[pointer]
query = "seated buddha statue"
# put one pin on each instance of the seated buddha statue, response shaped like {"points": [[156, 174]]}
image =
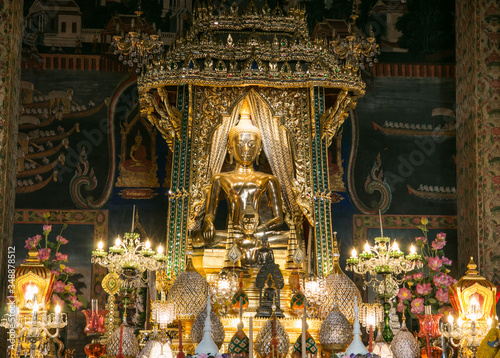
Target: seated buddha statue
{"points": [[243, 189]]}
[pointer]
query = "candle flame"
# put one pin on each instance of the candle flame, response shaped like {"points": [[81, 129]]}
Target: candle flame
{"points": [[100, 245], [354, 253], [413, 250]]}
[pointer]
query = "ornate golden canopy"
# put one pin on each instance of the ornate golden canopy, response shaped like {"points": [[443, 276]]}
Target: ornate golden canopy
{"points": [[299, 90]]}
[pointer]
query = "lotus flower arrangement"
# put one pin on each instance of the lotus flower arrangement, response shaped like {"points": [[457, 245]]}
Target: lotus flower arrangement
{"points": [[64, 291], [430, 286]]}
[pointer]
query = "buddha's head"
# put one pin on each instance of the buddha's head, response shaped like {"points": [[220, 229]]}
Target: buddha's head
{"points": [[245, 139]]}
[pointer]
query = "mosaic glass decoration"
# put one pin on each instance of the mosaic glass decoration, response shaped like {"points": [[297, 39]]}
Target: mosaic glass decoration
{"points": [[263, 340], [216, 326], [189, 293], [335, 333], [130, 346]]}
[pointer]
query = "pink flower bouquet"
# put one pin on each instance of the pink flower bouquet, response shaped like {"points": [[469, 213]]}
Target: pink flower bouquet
{"points": [[429, 287], [64, 291]]}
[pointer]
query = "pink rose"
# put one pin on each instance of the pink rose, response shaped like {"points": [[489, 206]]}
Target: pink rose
{"points": [[441, 236], [69, 270], [404, 294], [451, 280], [424, 289], [446, 261], [47, 228], [438, 244], [434, 263], [72, 289], [407, 277], [418, 276], [55, 272], [400, 307], [442, 296], [59, 286], [43, 254], [60, 257], [417, 305], [424, 240], [62, 240], [57, 300]]}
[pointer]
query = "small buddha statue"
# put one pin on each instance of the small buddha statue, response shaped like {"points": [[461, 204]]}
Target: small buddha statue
{"points": [[243, 188]]}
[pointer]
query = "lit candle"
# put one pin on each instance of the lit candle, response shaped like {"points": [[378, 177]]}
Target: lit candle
{"points": [[118, 241], [100, 245], [354, 254], [304, 329], [160, 250], [250, 337], [413, 251], [58, 313], [35, 313], [380, 219], [395, 246], [94, 304], [367, 247], [133, 219], [148, 245]]}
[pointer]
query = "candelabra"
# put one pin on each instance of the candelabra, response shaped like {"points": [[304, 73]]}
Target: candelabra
{"points": [[137, 48], [34, 329], [466, 335], [387, 260], [129, 257]]}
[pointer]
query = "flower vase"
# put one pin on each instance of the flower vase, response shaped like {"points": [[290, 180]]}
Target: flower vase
{"points": [[429, 328], [95, 349]]}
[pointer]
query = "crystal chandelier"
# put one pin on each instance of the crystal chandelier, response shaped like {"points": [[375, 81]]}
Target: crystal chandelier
{"points": [[34, 329], [354, 50], [313, 290], [137, 48], [370, 315], [224, 284], [129, 257], [163, 312]]}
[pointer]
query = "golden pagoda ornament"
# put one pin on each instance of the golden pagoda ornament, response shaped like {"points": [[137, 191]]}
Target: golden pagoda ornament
{"points": [[33, 284]]}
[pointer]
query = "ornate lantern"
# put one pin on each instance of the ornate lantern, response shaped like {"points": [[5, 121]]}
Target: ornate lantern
{"points": [[473, 296], [339, 289], [189, 293], [33, 283]]}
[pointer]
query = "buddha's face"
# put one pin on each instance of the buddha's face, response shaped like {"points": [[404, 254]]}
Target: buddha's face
{"points": [[245, 147]]}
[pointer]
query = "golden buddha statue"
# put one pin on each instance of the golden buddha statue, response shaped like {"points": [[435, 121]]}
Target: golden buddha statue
{"points": [[243, 188]]}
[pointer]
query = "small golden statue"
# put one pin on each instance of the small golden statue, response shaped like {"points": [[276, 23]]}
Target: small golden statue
{"points": [[243, 188]]}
